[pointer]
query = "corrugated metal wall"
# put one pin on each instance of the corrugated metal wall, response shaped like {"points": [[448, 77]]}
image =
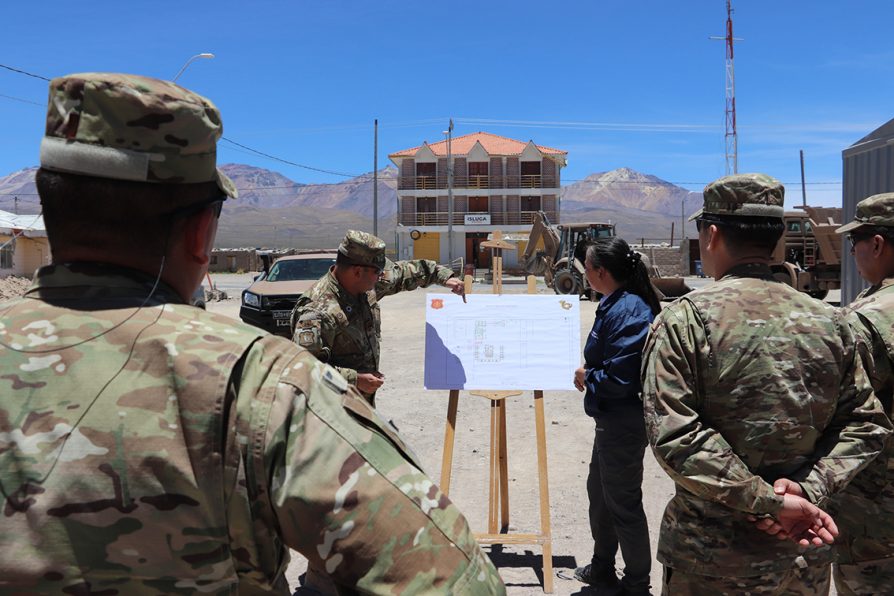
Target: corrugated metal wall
{"points": [[868, 170]]}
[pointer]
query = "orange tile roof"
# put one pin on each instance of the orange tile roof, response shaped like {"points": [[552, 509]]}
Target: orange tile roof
{"points": [[493, 144]]}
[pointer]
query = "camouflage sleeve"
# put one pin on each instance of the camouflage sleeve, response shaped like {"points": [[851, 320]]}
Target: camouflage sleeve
{"points": [[409, 275], [694, 455], [877, 358], [315, 332], [858, 431], [344, 491]]}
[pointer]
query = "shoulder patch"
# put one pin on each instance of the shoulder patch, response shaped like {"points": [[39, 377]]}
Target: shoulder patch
{"points": [[309, 315], [307, 332]]}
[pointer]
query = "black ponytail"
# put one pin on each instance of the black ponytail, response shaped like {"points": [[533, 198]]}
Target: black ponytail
{"points": [[626, 266]]}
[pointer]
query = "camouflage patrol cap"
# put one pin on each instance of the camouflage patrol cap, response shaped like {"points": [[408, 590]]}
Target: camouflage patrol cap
{"points": [[743, 195], [877, 210], [129, 127], [361, 248]]}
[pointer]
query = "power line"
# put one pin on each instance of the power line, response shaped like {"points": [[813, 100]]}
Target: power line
{"points": [[617, 126], [299, 185], [24, 72], [34, 103], [286, 161], [581, 125], [341, 127], [267, 155]]}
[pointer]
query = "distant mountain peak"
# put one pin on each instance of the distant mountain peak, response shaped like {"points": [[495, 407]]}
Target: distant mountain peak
{"points": [[627, 189]]}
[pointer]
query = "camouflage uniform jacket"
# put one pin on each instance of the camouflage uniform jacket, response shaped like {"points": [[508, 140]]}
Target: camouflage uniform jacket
{"points": [[344, 330], [149, 447], [746, 381], [865, 510]]}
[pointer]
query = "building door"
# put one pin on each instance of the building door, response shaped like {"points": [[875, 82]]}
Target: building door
{"points": [[428, 246], [474, 253]]}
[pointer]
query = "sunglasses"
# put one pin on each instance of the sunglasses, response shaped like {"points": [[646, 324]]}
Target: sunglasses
{"points": [[701, 222], [216, 204], [378, 270], [855, 238]]}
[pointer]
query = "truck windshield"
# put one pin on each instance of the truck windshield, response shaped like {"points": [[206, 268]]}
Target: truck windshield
{"points": [[298, 269]]}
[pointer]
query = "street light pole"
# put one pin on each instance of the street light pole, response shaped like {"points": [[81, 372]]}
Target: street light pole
{"points": [[190, 61], [376, 177], [450, 194]]}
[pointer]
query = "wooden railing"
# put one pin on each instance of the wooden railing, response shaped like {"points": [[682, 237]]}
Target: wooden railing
{"points": [[482, 181], [424, 182], [530, 181], [478, 181], [434, 218], [439, 218]]}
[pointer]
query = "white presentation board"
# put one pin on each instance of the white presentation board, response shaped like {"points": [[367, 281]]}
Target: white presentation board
{"points": [[501, 342]]}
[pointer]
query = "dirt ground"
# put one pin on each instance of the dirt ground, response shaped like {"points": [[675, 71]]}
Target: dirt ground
{"points": [[420, 415], [11, 287]]}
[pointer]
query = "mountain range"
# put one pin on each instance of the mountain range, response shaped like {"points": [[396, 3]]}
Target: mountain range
{"points": [[275, 211]]}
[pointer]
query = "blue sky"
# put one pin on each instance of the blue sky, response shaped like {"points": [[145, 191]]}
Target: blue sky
{"points": [[635, 84]]}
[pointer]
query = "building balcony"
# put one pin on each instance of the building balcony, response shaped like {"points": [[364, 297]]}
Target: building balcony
{"points": [[418, 182], [439, 218], [477, 182]]}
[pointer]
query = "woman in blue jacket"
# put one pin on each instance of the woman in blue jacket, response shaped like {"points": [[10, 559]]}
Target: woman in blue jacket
{"points": [[611, 379]]}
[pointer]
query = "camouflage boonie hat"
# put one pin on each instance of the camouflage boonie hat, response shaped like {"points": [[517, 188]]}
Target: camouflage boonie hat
{"points": [[361, 248], [128, 127], [743, 195], [877, 210]]}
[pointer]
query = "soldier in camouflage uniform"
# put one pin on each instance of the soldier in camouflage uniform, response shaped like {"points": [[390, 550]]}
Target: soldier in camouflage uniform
{"points": [[744, 381], [339, 320], [865, 510], [149, 447]]}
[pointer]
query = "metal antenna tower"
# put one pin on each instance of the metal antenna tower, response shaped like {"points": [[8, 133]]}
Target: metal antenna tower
{"points": [[731, 137]]}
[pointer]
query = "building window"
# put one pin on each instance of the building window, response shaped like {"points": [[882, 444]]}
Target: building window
{"points": [[478, 174], [478, 168], [6, 254], [213, 260], [478, 205], [427, 212], [530, 174], [425, 176], [426, 204], [530, 203]]}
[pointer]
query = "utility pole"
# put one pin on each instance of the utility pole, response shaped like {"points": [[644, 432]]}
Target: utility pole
{"points": [[450, 194], [683, 218], [376, 177], [731, 136], [15, 202], [803, 186]]}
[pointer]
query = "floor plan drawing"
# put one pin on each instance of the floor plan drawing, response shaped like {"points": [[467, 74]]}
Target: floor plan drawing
{"points": [[495, 342]]}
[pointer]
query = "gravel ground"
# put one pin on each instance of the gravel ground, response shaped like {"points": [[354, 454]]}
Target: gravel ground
{"points": [[11, 287], [420, 415]]}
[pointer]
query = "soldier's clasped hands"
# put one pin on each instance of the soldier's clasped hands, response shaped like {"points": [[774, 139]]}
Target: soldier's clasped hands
{"points": [[799, 520]]}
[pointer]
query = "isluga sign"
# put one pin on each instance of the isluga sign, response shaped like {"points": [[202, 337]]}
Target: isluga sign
{"points": [[477, 219]]}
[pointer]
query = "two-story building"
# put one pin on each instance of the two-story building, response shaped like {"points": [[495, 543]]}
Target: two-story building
{"points": [[498, 184]]}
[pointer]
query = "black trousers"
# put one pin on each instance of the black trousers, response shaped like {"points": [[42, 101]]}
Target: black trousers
{"points": [[614, 487]]}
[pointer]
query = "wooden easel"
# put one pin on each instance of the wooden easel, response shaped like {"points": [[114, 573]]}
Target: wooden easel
{"points": [[498, 493]]}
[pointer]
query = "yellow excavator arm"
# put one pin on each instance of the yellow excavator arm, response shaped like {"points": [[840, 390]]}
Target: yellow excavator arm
{"points": [[540, 262]]}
